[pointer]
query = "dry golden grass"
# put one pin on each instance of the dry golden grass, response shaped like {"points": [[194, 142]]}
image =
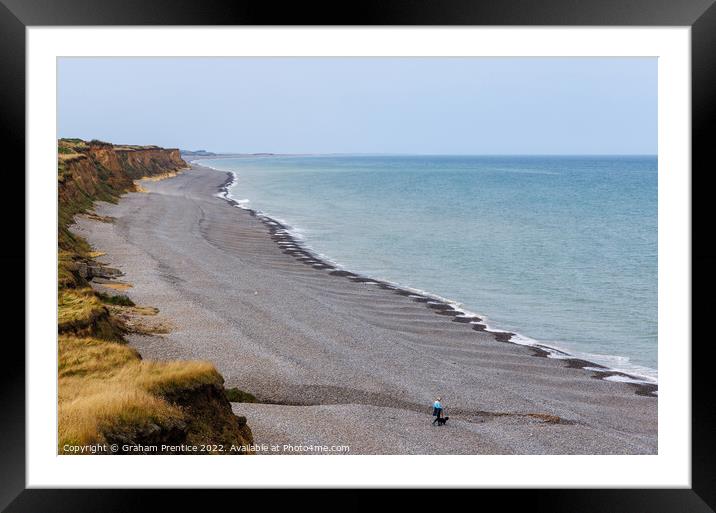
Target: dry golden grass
{"points": [[65, 262], [165, 378], [78, 308], [85, 356], [105, 387], [101, 407]]}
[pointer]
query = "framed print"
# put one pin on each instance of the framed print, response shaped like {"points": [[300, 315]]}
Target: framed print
{"points": [[442, 245]]}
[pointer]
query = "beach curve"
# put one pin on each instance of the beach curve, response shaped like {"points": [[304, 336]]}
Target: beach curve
{"points": [[338, 358]]}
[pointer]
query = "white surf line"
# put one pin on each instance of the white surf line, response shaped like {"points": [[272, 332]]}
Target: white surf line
{"points": [[628, 376]]}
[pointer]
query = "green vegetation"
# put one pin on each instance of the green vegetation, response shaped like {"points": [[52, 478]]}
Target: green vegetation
{"points": [[71, 145], [239, 396], [119, 300]]}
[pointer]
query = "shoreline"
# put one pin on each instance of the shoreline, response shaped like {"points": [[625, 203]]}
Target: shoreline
{"points": [[281, 234], [326, 355]]}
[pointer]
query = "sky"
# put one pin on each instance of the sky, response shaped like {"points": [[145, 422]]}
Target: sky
{"points": [[474, 106]]}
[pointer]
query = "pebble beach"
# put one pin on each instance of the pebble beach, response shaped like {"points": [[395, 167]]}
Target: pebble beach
{"points": [[342, 361]]}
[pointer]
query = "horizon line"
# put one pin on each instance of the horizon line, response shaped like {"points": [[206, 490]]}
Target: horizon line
{"points": [[305, 154]]}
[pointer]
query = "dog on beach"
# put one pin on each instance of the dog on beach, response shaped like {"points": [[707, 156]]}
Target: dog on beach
{"points": [[442, 420]]}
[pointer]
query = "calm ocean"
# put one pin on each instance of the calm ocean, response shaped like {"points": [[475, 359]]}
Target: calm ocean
{"points": [[562, 250]]}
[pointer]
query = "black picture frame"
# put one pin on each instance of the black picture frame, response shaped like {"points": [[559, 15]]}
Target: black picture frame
{"points": [[700, 15]]}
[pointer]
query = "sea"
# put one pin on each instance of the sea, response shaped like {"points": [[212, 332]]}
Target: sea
{"points": [[561, 250]]}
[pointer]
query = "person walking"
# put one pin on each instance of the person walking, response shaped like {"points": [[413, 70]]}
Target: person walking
{"points": [[437, 409]]}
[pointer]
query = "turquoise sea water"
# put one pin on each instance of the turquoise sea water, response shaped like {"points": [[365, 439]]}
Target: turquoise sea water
{"points": [[562, 250]]}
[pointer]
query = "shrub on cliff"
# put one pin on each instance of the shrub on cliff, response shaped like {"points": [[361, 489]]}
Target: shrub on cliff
{"points": [[119, 300], [239, 396]]}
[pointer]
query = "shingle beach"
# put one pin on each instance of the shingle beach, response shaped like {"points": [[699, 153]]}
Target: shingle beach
{"points": [[337, 359]]}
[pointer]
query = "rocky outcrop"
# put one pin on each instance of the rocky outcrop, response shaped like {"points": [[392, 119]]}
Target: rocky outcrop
{"points": [[89, 271]]}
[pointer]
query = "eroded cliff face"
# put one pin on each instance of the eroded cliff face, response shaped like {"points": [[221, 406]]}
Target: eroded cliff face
{"points": [[101, 171], [106, 392], [150, 161]]}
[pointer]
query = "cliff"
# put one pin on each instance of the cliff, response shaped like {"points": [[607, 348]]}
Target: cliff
{"points": [[91, 171], [107, 393]]}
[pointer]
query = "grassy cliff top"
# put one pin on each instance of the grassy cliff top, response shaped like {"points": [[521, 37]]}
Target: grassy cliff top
{"points": [[74, 145]]}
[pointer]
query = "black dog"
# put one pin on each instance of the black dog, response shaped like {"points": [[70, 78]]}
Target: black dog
{"points": [[442, 421]]}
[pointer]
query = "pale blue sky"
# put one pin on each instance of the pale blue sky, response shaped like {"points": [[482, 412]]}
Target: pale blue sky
{"points": [[364, 105]]}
